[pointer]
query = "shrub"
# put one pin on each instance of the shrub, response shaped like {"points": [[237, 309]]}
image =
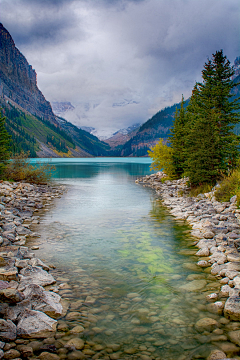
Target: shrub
{"points": [[19, 169], [161, 155], [229, 187]]}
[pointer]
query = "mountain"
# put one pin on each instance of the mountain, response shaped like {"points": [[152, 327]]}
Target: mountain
{"points": [[87, 128], [59, 108], [159, 125], [121, 136], [29, 116], [18, 80], [148, 134]]}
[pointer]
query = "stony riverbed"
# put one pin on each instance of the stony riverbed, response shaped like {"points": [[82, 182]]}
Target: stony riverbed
{"points": [[216, 225], [46, 315]]}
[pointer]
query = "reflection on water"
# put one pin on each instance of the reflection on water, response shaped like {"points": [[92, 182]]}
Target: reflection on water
{"points": [[129, 268]]}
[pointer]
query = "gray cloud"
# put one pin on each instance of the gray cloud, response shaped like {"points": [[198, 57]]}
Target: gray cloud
{"points": [[44, 21], [98, 53]]}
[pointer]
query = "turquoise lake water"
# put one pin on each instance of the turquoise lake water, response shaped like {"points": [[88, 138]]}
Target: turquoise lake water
{"points": [[126, 261]]}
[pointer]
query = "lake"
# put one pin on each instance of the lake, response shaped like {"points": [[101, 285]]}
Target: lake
{"points": [[126, 264]]}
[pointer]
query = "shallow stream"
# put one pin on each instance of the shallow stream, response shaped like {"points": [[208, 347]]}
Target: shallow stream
{"points": [[128, 267]]}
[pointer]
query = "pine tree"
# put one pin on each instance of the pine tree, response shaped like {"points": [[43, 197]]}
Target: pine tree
{"points": [[178, 141], [212, 145], [4, 144]]}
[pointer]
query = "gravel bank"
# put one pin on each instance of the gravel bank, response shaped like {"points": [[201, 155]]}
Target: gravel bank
{"points": [[27, 310]]}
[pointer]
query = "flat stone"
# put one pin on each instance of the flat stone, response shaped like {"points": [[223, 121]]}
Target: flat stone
{"points": [[235, 257], [20, 264], [234, 337], [114, 347], [38, 262], [88, 352], [233, 236], [203, 252], [77, 343], [229, 348], [217, 355], [4, 284], [212, 296], [203, 263], [77, 329], [207, 324], [73, 315], [217, 268], [42, 300], [216, 308], [48, 356], [76, 355], [36, 275], [8, 330], [132, 295], [22, 230], [208, 235], [231, 274], [232, 308], [206, 243], [12, 354], [35, 324], [218, 257], [115, 356], [236, 282], [11, 296], [140, 330], [26, 351], [9, 274], [194, 285], [225, 289], [130, 351]]}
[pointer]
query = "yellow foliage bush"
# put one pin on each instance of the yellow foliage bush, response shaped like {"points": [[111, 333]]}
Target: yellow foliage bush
{"points": [[161, 155], [19, 169]]}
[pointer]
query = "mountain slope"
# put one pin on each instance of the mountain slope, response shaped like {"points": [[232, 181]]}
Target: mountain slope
{"points": [[158, 127], [121, 136], [29, 116], [149, 133], [18, 80]]}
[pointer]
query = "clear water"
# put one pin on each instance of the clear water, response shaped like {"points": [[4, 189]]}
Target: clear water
{"points": [[126, 262]]}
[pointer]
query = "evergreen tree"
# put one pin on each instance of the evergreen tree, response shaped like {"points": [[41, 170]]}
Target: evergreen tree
{"points": [[4, 144], [211, 116], [178, 141]]}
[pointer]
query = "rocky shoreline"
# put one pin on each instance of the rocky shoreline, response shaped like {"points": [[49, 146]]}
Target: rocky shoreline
{"points": [[217, 228], [27, 310], [30, 303]]}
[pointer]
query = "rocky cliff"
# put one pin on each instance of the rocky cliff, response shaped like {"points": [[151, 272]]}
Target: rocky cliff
{"points": [[18, 80], [29, 116]]}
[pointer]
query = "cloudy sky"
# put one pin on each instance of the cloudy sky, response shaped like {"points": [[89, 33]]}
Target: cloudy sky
{"points": [[120, 61]]}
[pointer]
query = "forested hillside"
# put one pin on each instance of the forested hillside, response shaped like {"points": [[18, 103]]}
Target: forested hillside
{"points": [[149, 133], [159, 127], [43, 138]]}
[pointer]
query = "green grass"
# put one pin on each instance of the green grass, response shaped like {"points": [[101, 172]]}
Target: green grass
{"points": [[229, 187], [40, 131], [201, 189]]}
